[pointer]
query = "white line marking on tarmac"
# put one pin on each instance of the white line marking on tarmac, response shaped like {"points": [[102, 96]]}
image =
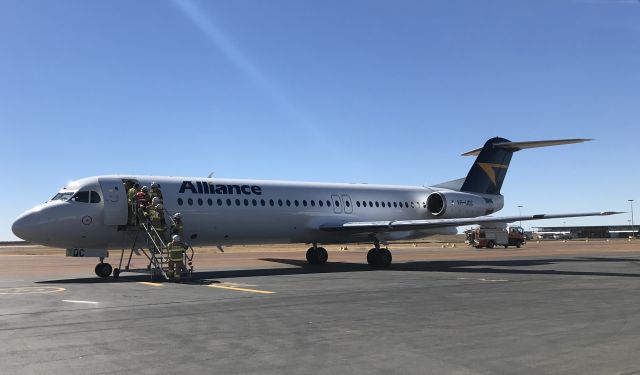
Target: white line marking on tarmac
{"points": [[87, 302], [485, 280]]}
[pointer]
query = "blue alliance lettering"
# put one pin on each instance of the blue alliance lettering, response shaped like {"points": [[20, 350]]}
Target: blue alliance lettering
{"points": [[201, 187]]}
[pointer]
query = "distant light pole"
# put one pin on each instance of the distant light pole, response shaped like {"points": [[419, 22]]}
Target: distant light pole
{"points": [[633, 233], [520, 214]]}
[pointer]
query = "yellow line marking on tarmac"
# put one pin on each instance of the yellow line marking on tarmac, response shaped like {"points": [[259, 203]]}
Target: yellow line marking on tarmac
{"points": [[31, 290], [150, 283], [230, 287]]}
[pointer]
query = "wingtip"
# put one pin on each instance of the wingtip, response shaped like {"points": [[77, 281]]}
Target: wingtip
{"points": [[607, 213]]}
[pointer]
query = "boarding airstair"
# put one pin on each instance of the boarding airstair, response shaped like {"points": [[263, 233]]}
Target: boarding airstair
{"points": [[153, 244]]}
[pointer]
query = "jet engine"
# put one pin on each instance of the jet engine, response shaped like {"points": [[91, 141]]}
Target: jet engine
{"points": [[454, 204]]}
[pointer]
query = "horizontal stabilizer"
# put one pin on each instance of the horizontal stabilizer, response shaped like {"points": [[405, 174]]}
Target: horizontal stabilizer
{"points": [[517, 146]]}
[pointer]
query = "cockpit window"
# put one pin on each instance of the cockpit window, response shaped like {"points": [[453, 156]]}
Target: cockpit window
{"points": [[81, 196], [62, 196], [95, 197]]}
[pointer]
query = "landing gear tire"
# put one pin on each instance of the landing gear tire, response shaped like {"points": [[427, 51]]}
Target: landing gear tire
{"points": [[116, 273], [490, 245], [518, 244], [103, 270], [317, 255], [380, 258]]}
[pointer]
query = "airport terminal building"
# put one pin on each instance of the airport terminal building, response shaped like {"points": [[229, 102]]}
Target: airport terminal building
{"points": [[593, 231]]}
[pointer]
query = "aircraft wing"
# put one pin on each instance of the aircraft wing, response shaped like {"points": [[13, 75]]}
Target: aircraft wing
{"points": [[403, 225]]}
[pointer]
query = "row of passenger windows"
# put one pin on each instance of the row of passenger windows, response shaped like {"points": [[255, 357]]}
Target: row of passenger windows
{"points": [[297, 203]]}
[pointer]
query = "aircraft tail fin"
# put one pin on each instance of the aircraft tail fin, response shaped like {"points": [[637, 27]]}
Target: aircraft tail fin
{"points": [[490, 168]]}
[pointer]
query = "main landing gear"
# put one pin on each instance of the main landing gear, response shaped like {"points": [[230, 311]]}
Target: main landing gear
{"points": [[317, 255], [103, 269], [377, 257]]}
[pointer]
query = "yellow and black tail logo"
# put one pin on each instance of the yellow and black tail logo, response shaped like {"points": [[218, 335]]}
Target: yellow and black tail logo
{"points": [[490, 170]]}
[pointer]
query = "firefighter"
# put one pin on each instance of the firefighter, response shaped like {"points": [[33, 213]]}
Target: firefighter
{"points": [[155, 213], [154, 191], [131, 196], [142, 202], [177, 228], [176, 257]]}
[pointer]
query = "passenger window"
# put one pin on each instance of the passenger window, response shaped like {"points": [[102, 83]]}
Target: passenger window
{"points": [[377, 204], [271, 202], [180, 202], [304, 202], [238, 202], [412, 206], [190, 201], [199, 201], [95, 197], [288, 203], [358, 203], [254, 202], [346, 203], [395, 204], [280, 202], [382, 204], [262, 202], [313, 203], [328, 203], [406, 204], [320, 203], [389, 204], [246, 202], [81, 196], [296, 203], [370, 204], [229, 202], [210, 202], [219, 201], [337, 203]]}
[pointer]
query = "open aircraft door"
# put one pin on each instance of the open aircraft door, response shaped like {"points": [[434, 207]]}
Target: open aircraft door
{"points": [[115, 201]]}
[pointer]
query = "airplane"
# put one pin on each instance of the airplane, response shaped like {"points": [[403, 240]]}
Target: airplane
{"points": [[90, 215]]}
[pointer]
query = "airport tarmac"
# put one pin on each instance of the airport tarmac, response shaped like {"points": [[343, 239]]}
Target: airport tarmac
{"points": [[547, 308]]}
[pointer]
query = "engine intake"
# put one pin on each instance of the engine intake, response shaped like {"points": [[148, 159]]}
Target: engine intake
{"points": [[453, 204]]}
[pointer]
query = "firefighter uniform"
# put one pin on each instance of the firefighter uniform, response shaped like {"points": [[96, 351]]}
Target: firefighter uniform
{"points": [[154, 213], [131, 196], [177, 228], [176, 257], [154, 191]]}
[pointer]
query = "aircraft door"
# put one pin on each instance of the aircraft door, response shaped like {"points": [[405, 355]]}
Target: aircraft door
{"points": [[347, 205], [337, 205], [115, 201]]}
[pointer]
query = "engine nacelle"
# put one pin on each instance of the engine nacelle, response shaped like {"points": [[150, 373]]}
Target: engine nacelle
{"points": [[453, 204]]}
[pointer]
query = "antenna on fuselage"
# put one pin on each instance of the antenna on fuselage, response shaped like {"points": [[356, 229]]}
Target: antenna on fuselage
{"points": [[210, 175]]}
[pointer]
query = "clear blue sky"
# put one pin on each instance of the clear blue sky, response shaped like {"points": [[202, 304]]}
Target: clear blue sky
{"points": [[345, 91]]}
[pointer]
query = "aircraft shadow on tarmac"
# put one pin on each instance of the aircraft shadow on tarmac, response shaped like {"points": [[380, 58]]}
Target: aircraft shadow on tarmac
{"points": [[458, 266]]}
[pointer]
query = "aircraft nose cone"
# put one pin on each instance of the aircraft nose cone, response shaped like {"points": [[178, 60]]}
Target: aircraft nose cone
{"points": [[23, 227]]}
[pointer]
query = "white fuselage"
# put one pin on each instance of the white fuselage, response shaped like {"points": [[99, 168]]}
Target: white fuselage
{"points": [[226, 212]]}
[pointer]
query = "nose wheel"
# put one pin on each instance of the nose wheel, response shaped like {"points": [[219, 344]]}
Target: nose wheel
{"points": [[103, 270]]}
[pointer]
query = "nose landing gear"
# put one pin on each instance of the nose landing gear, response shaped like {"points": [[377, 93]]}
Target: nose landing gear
{"points": [[103, 269]]}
